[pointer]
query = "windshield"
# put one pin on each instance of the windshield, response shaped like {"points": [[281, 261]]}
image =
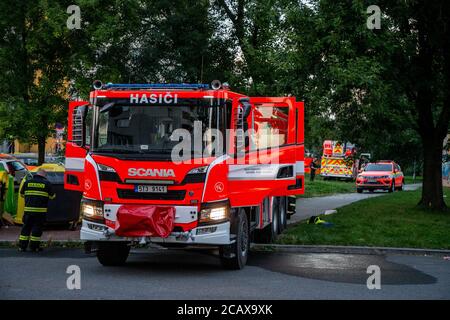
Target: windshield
{"points": [[147, 130], [30, 161], [378, 167], [16, 166]]}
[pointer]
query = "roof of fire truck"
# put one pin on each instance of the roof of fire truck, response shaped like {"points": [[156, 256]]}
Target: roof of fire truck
{"points": [[183, 90]]}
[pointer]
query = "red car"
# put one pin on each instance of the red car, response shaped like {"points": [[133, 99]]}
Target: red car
{"points": [[381, 175]]}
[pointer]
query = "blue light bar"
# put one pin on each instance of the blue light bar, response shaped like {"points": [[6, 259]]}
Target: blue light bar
{"points": [[185, 86]]}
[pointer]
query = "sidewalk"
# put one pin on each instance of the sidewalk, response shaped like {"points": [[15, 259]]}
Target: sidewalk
{"points": [[11, 233]]}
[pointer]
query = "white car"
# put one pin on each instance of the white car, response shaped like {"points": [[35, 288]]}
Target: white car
{"points": [[14, 167]]}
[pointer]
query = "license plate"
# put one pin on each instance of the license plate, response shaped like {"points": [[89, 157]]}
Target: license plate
{"points": [[150, 189], [372, 181]]}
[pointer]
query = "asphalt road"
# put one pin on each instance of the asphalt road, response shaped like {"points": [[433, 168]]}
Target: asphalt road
{"points": [[307, 207], [180, 274]]}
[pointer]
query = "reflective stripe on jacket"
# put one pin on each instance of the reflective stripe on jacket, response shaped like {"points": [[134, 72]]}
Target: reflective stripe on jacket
{"points": [[37, 191]]}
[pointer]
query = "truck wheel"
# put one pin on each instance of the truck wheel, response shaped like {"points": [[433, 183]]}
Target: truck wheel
{"points": [[275, 225], [282, 214], [270, 232], [401, 186], [234, 256], [359, 190], [113, 253]]}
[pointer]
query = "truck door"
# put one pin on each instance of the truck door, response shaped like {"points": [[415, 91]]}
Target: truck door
{"points": [[299, 187], [269, 165], [76, 146]]}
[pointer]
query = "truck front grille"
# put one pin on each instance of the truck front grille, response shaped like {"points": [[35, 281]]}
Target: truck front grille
{"points": [[170, 195]]}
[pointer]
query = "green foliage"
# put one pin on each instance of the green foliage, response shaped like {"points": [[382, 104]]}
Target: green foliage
{"points": [[33, 59], [358, 85]]}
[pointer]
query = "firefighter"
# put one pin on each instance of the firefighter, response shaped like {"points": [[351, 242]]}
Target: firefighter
{"points": [[313, 166], [37, 191]]}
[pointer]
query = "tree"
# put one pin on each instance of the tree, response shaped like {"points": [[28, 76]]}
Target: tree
{"points": [[255, 28], [33, 56], [158, 41], [381, 84], [422, 71]]}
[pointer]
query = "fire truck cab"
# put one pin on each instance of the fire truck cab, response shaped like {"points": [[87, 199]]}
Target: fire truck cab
{"points": [[183, 165]]}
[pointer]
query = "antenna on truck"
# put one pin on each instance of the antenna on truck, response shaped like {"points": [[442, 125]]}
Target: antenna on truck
{"points": [[161, 86], [215, 85]]}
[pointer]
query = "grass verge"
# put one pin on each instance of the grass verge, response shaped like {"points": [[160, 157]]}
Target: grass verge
{"points": [[392, 220], [410, 180], [320, 187]]}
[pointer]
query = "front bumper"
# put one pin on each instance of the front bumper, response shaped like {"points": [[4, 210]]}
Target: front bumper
{"points": [[335, 175], [373, 187], [380, 184], [217, 234]]}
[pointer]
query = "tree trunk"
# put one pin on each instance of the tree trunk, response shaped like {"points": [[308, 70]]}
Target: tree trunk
{"points": [[41, 149], [432, 191]]}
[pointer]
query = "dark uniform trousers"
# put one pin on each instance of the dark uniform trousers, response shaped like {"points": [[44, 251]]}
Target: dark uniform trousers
{"points": [[37, 191]]}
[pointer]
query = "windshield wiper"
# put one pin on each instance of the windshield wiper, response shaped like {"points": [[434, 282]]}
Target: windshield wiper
{"points": [[156, 151], [116, 150]]}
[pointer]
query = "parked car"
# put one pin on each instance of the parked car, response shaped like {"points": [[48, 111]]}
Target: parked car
{"points": [[55, 159], [14, 167], [29, 159], [381, 175]]}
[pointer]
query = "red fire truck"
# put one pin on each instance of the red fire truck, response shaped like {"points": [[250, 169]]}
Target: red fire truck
{"points": [[145, 176]]}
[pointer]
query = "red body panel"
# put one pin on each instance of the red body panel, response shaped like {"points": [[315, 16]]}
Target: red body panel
{"points": [[74, 167]]}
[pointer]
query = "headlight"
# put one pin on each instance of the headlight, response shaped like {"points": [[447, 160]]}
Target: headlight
{"points": [[102, 167], [198, 170], [92, 210], [214, 212]]}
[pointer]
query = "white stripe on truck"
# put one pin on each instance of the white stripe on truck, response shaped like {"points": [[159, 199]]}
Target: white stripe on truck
{"points": [[75, 164]]}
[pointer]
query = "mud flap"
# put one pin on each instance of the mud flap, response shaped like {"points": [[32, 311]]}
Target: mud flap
{"points": [[145, 221]]}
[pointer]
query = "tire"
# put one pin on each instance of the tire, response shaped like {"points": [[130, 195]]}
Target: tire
{"points": [[401, 186], [234, 256], [275, 225], [113, 253], [392, 188], [282, 214], [359, 190]]}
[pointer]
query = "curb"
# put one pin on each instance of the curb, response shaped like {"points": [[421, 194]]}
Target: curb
{"points": [[346, 249], [46, 244], [281, 248]]}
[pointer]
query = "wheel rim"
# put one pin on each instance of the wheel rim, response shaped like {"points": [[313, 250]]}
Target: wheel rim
{"points": [[244, 240]]}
